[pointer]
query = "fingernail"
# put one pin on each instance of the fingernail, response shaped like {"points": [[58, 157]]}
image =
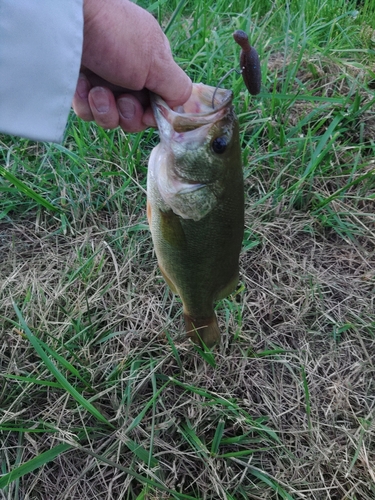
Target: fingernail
{"points": [[126, 107], [82, 87], [100, 99]]}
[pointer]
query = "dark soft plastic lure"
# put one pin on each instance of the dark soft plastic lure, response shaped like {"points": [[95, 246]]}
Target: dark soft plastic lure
{"points": [[250, 63]]}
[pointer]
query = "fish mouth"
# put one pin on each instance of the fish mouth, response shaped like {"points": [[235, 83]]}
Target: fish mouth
{"points": [[184, 131], [196, 113]]}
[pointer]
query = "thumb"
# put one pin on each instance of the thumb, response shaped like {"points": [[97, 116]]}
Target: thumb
{"points": [[166, 78], [125, 45]]}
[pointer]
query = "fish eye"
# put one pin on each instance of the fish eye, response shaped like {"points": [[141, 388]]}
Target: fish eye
{"points": [[219, 145]]}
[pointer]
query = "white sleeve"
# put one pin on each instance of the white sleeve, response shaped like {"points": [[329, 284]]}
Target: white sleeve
{"points": [[40, 56]]}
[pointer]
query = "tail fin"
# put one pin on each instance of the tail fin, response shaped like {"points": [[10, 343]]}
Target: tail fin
{"points": [[203, 330]]}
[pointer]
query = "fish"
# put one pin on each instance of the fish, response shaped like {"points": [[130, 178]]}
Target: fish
{"points": [[195, 204]]}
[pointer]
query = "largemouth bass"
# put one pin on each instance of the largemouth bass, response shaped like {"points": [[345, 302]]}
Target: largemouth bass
{"points": [[195, 204]]}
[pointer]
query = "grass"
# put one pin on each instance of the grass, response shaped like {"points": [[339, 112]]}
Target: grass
{"points": [[100, 394]]}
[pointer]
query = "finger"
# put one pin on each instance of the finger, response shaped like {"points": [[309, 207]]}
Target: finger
{"points": [[149, 118], [166, 78], [131, 113], [147, 61], [103, 107], [80, 103], [94, 80], [98, 81]]}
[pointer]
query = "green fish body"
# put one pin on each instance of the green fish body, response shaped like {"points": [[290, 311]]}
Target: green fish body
{"points": [[196, 204]]}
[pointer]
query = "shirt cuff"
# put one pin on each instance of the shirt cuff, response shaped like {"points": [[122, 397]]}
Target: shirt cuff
{"points": [[40, 56]]}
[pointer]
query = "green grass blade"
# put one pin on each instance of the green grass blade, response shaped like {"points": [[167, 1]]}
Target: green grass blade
{"points": [[230, 405], [217, 437], [323, 145], [14, 428], [32, 380], [155, 483], [270, 482], [143, 494], [136, 421], [23, 188], [206, 354], [244, 453], [33, 464], [140, 452], [336, 194], [174, 15], [307, 396], [191, 437], [174, 350], [56, 372], [65, 363]]}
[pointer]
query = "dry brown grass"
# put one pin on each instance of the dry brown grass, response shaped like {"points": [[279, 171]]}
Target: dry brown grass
{"points": [[307, 292], [297, 353]]}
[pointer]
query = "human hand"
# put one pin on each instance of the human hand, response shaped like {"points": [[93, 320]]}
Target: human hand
{"points": [[125, 55]]}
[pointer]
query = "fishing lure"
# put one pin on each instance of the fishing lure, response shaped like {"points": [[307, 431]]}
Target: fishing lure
{"points": [[249, 63]]}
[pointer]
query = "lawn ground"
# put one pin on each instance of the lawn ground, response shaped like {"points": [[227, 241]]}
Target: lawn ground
{"points": [[101, 396]]}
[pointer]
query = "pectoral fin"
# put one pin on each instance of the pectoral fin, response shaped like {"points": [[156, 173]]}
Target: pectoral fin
{"points": [[171, 229], [149, 211]]}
